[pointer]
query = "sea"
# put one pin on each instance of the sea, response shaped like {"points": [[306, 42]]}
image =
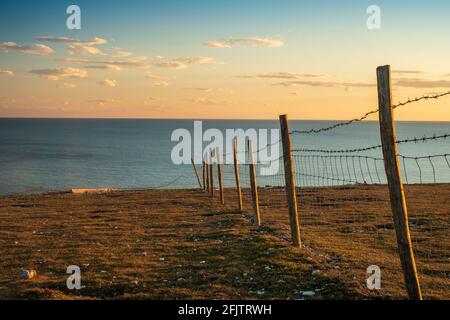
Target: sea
{"points": [[41, 155]]}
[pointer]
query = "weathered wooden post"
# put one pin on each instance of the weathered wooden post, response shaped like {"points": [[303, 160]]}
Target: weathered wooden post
{"points": [[211, 174], [236, 175], [291, 193], [394, 178], [196, 173], [254, 185], [219, 173], [207, 172], [204, 174]]}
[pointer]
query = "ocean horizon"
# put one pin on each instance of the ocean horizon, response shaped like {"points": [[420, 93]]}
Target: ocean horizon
{"points": [[55, 154]]}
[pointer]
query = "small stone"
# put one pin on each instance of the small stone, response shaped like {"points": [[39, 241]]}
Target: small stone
{"points": [[308, 293], [28, 274], [315, 272], [202, 262], [268, 268], [161, 259]]}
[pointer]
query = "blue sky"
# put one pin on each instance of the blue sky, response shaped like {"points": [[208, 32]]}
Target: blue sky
{"points": [[319, 37]]}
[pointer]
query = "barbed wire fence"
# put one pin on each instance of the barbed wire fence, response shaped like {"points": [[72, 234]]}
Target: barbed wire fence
{"points": [[345, 206]]}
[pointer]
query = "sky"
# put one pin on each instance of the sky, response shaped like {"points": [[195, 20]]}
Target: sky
{"points": [[221, 59]]}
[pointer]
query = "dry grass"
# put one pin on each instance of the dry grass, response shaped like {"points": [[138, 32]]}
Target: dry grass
{"points": [[351, 228], [197, 249]]}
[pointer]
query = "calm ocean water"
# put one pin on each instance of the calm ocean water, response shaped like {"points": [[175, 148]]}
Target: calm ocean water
{"points": [[39, 155]]}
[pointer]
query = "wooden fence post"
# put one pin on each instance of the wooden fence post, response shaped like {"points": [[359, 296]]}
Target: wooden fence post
{"points": [[394, 178], [291, 193], [204, 174], [219, 173], [254, 185], [236, 175], [211, 174], [207, 172], [196, 173]]}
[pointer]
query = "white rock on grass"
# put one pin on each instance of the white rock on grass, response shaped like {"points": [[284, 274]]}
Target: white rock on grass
{"points": [[308, 293], [28, 274]]}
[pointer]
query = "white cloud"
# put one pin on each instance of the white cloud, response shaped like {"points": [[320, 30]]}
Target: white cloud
{"points": [[36, 49], [158, 81], [74, 42], [119, 53], [170, 65], [195, 61], [108, 83], [57, 73], [422, 83], [86, 50], [111, 67], [217, 44], [326, 84], [135, 62], [182, 63], [249, 41], [6, 73], [407, 72], [283, 75]]}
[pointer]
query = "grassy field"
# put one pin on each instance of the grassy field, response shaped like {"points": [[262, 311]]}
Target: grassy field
{"points": [[181, 244]]}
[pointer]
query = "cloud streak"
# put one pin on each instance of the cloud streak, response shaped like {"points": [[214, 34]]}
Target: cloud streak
{"points": [[66, 85], [283, 75], [111, 64], [159, 81], [182, 63], [36, 49], [8, 73], [422, 83], [57, 73], [326, 84], [74, 42], [248, 41], [108, 83], [407, 72]]}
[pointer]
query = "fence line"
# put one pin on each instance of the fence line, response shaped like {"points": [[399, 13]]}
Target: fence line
{"points": [[352, 205]]}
